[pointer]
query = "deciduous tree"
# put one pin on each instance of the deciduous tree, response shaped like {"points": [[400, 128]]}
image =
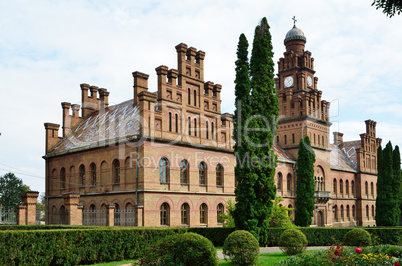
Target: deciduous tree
{"points": [[11, 188]]}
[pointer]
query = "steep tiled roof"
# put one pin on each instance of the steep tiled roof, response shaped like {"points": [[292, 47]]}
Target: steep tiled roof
{"points": [[281, 153], [342, 159], [114, 122]]}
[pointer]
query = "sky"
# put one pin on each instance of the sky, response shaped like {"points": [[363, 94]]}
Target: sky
{"points": [[49, 48]]}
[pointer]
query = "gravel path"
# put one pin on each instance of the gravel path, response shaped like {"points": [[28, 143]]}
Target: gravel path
{"points": [[274, 249]]}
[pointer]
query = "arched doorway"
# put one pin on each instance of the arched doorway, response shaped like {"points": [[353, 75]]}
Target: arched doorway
{"points": [[320, 218]]}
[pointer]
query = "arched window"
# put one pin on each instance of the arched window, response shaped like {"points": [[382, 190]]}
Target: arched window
{"points": [[342, 217], [335, 186], [63, 215], [347, 187], [289, 184], [170, 122], [206, 129], [372, 189], [185, 214], [63, 178], [318, 138], [195, 98], [219, 175], [352, 184], [202, 172], [82, 175], [293, 138], [347, 212], [372, 212], [353, 212], [220, 209], [189, 126], [195, 127], [212, 130], [189, 96], [72, 176], [164, 170], [116, 171], [341, 186], [203, 214], [92, 169], [176, 118], [285, 139], [290, 212], [184, 172], [323, 144], [366, 188], [314, 138], [117, 212], [367, 212], [336, 213], [165, 214], [279, 182], [277, 139]]}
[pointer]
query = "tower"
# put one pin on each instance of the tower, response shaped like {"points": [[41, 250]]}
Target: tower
{"points": [[302, 111]]}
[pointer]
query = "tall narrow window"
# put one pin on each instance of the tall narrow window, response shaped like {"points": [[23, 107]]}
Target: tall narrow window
{"points": [[347, 212], [202, 170], [336, 213], [341, 186], [279, 182], [116, 171], [206, 129], [342, 217], [189, 96], [189, 126], [195, 98], [293, 138], [195, 127], [170, 122], [164, 171], [367, 212], [353, 212], [366, 188], [63, 178], [165, 214], [203, 214], [219, 175], [185, 214], [184, 172], [335, 186], [82, 174], [176, 118], [212, 130], [219, 211], [372, 211], [352, 184], [92, 168], [286, 142], [372, 189], [323, 144], [347, 187], [289, 184]]}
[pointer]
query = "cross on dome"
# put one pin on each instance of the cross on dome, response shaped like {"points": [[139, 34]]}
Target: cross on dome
{"points": [[294, 21]]}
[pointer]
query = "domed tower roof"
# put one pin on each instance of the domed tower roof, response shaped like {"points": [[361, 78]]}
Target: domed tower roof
{"points": [[294, 34]]}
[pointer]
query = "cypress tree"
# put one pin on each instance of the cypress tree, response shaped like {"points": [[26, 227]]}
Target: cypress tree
{"points": [[304, 205], [386, 202], [397, 183], [245, 196]]}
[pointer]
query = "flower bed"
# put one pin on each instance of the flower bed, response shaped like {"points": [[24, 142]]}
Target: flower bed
{"points": [[340, 255]]}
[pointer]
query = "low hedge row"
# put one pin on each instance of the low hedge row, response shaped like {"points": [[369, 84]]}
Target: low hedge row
{"points": [[77, 246], [67, 245]]}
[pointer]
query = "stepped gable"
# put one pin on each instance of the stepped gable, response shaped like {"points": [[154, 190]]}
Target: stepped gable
{"points": [[112, 123]]}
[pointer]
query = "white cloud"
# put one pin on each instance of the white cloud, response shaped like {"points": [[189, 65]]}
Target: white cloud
{"points": [[48, 49]]}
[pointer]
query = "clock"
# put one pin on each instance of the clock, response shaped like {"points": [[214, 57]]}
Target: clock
{"points": [[309, 81], [288, 81]]}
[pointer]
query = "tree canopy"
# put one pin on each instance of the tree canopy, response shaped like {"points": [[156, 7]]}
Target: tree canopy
{"points": [[389, 7], [11, 188]]}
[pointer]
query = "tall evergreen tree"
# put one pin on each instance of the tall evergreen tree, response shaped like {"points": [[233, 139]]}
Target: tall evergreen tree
{"points": [[397, 184], [386, 201], [304, 205], [245, 195], [260, 131]]}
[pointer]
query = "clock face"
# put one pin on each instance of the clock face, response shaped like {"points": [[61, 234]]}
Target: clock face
{"points": [[288, 81], [309, 81]]}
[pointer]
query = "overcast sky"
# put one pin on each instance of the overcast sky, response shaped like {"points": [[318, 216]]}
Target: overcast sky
{"points": [[48, 48]]}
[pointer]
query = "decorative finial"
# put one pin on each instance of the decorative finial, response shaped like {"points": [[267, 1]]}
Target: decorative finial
{"points": [[294, 21]]}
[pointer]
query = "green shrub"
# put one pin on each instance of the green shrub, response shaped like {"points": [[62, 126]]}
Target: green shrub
{"points": [[358, 237], [293, 241], [242, 247], [216, 234], [394, 251], [182, 249]]}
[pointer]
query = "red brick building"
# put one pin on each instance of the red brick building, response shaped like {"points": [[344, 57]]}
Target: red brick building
{"points": [[168, 156]]}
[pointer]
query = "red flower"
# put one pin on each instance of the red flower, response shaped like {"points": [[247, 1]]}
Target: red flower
{"points": [[358, 250], [396, 263], [336, 252]]}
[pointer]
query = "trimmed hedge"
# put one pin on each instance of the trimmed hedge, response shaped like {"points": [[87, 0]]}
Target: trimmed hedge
{"points": [[77, 246], [216, 234]]}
